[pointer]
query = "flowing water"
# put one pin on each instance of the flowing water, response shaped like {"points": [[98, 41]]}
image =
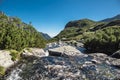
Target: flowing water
{"points": [[14, 75], [85, 62]]}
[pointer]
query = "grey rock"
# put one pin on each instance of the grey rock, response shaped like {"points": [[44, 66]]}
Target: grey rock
{"points": [[5, 59], [34, 52], [64, 51]]}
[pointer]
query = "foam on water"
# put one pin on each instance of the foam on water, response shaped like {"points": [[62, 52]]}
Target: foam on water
{"points": [[15, 75]]}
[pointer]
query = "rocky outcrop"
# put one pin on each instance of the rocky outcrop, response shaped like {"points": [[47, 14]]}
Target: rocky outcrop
{"points": [[64, 51], [5, 59], [34, 52]]}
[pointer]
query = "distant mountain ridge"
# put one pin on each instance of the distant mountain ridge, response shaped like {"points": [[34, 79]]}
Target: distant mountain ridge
{"points": [[117, 17], [45, 36]]}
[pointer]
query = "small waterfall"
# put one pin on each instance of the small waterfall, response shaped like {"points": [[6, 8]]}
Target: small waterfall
{"points": [[15, 75], [46, 53]]}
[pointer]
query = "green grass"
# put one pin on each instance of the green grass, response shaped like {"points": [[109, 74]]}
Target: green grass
{"points": [[2, 70], [15, 55], [28, 49]]}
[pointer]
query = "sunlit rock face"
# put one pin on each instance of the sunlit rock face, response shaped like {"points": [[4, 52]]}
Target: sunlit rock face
{"points": [[91, 67], [64, 50], [34, 52], [5, 59]]}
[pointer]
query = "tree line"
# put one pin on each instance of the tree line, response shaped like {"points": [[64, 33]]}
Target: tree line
{"points": [[14, 34], [106, 40]]}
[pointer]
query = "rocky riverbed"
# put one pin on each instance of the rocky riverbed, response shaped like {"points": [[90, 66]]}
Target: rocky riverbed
{"points": [[67, 68], [65, 63]]}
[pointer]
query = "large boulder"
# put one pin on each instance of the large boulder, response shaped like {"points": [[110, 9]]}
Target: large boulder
{"points": [[5, 59], [37, 52], [64, 51]]}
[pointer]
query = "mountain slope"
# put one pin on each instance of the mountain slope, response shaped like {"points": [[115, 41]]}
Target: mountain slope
{"points": [[105, 25], [101, 37], [80, 23], [77, 27], [15, 34], [111, 19]]}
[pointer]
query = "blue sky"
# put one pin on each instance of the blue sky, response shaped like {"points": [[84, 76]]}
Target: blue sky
{"points": [[50, 16]]}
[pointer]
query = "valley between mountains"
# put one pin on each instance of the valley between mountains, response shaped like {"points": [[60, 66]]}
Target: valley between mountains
{"points": [[83, 50]]}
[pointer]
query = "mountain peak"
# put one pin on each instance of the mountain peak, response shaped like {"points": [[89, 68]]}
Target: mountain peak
{"points": [[79, 23]]}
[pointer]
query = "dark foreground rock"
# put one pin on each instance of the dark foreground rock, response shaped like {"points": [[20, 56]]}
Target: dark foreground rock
{"points": [[116, 54], [91, 67]]}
